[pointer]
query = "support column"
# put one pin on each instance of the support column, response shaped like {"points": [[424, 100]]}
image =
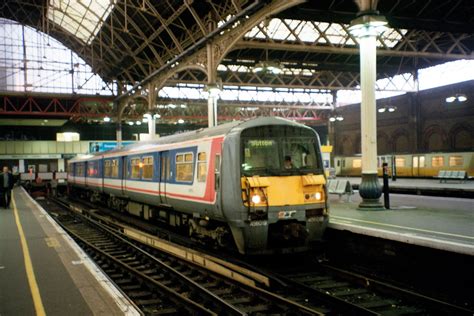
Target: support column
{"points": [[151, 111], [370, 189], [152, 127], [212, 109], [118, 131]]}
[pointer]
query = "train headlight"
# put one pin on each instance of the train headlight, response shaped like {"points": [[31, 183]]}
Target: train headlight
{"points": [[318, 196], [256, 199]]}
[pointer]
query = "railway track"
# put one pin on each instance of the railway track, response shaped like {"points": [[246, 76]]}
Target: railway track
{"points": [[159, 283], [320, 289]]}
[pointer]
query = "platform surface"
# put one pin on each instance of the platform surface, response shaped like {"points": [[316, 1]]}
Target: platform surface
{"points": [[42, 271], [413, 183], [437, 222]]}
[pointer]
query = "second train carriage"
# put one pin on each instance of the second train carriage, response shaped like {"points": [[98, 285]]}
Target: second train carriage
{"points": [[411, 165], [259, 182]]}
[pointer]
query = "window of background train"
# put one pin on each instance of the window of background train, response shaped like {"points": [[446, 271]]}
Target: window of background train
{"points": [[201, 167], [437, 161], [422, 162], [147, 168], [356, 163], [399, 162], [184, 167], [455, 161]]}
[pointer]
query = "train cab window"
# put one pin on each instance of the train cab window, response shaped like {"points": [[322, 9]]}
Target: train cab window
{"points": [[147, 168], [437, 161], [184, 167], [399, 162], [455, 161], [356, 163], [343, 163], [202, 167], [135, 168], [338, 163]]}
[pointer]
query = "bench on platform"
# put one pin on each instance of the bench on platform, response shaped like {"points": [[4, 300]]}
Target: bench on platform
{"points": [[340, 187], [445, 175]]}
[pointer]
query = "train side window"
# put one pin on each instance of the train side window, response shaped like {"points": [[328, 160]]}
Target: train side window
{"points": [[338, 163], [201, 167], [184, 167], [135, 166], [399, 162], [437, 161], [217, 171], [114, 168], [147, 168], [107, 168], [343, 163], [455, 161], [415, 162]]}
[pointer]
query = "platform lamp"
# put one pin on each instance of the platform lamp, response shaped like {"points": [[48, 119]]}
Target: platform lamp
{"points": [[366, 27]]}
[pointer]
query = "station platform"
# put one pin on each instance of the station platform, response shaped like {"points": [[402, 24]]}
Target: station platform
{"points": [[42, 270], [438, 222], [424, 186]]}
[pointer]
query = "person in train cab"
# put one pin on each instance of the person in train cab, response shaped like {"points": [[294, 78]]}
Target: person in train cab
{"points": [[6, 184], [287, 163]]}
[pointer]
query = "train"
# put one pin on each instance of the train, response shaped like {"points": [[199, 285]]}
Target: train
{"points": [[421, 165], [257, 184]]}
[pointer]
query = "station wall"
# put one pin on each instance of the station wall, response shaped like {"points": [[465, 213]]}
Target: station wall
{"points": [[422, 122]]}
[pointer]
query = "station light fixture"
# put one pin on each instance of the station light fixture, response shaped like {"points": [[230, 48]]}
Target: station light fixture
{"points": [[138, 122], [180, 121], [130, 123], [106, 119], [368, 24], [459, 97], [336, 117], [384, 109], [271, 67]]}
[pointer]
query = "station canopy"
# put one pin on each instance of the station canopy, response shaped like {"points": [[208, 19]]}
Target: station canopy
{"points": [[126, 40]]}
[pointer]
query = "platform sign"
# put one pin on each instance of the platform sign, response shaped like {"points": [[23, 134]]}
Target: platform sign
{"points": [[95, 147]]}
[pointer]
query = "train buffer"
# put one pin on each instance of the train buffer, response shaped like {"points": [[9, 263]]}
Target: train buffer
{"points": [[340, 187], [445, 175]]}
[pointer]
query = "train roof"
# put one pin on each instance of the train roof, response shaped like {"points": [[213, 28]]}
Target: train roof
{"points": [[193, 135]]}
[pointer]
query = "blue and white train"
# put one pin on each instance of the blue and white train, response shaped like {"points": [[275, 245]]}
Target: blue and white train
{"points": [[259, 184]]}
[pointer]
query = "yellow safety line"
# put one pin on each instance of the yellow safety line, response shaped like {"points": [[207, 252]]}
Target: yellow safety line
{"points": [[402, 227], [28, 265]]}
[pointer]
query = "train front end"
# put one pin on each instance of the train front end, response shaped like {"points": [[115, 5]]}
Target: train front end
{"points": [[282, 206]]}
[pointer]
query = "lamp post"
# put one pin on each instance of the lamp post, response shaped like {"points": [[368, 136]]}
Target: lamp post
{"points": [[366, 27]]}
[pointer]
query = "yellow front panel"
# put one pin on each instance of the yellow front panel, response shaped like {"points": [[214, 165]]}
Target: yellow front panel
{"points": [[289, 190]]}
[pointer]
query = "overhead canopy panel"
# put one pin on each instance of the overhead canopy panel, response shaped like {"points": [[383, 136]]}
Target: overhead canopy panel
{"points": [[81, 18]]}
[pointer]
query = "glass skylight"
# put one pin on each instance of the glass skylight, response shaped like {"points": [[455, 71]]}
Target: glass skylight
{"points": [[82, 18], [288, 30]]}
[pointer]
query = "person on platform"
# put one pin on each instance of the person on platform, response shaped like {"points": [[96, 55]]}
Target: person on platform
{"points": [[6, 186]]}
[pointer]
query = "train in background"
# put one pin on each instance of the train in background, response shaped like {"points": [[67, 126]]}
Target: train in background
{"points": [[426, 165], [258, 183]]}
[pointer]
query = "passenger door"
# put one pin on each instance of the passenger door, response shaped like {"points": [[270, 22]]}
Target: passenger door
{"points": [[164, 175], [418, 164]]}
